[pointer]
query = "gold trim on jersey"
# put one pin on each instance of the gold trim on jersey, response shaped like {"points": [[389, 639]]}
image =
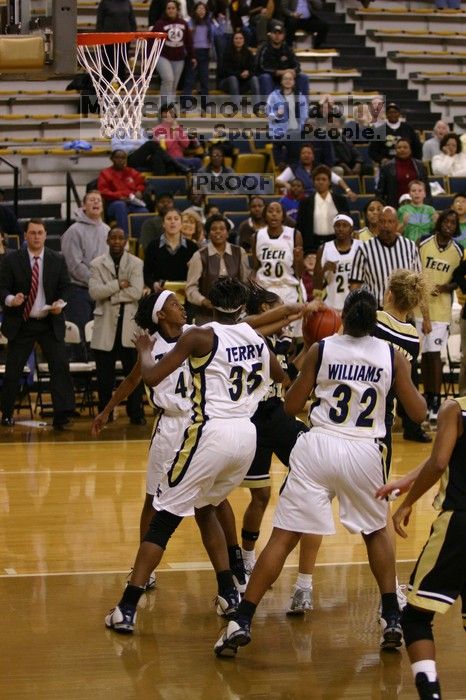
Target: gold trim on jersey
{"points": [[252, 483], [193, 432], [383, 449], [429, 600], [156, 424]]}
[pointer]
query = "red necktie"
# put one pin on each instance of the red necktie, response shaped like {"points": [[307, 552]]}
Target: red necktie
{"points": [[33, 291]]}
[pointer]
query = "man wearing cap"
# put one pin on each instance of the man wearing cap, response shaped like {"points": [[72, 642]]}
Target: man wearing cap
{"points": [[275, 58], [333, 264], [386, 136]]}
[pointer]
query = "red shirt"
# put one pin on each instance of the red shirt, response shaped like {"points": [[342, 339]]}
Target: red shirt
{"points": [[116, 184], [175, 137], [405, 172]]}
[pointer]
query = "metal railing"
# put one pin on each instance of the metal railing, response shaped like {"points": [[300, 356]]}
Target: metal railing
{"points": [[15, 170], [71, 190]]}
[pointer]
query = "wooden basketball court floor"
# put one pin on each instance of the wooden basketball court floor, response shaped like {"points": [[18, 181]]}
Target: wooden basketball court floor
{"points": [[69, 509]]}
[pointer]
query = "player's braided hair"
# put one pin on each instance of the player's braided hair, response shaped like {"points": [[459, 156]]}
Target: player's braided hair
{"points": [[359, 313], [229, 294], [257, 296], [143, 316]]}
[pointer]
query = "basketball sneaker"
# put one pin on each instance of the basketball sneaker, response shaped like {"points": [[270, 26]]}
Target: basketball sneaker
{"points": [[300, 601], [227, 604], [151, 581], [240, 578], [401, 597], [122, 619], [428, 690], [392, 634], [236, 634]]}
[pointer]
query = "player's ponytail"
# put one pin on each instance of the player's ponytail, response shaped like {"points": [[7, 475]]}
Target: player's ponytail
{"points": [[359, 313]]}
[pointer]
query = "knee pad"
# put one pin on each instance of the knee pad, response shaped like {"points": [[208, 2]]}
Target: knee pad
{"points": [[416, 624], [161, 528], [249, 535]]}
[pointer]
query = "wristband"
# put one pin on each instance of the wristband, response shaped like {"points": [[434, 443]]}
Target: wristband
{"points": [[292, 371]]}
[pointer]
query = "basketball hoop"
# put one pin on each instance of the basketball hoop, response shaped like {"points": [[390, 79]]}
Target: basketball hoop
{"points": [[121, 101]]}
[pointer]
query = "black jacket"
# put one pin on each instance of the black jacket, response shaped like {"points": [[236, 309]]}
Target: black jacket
{"points": [[305, 218], [385, 138], [15, 277], [269, 59], [387, 186]]}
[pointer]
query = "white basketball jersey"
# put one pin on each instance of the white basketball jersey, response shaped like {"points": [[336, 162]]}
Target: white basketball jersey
{"points": [[172, 394], [275, 256], [230, 382], [337, 283], [353, 379]]}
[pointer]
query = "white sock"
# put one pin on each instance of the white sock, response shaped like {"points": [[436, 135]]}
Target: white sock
{"points": [[249, 556], [426, 666], [304, 581]]}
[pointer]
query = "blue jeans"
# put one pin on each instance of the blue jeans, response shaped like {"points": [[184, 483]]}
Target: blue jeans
{"points": [[201, 72], [233, 86], [119, 211]]}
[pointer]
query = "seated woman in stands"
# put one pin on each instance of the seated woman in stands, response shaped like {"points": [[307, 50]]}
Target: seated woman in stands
{"points": [[237, 77], [452, 160]]}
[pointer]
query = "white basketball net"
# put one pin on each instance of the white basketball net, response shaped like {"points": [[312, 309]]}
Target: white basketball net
{"points": [[121, 102]]}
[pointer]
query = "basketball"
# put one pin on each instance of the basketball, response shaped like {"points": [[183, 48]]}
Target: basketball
{"points": [[320, 324]]}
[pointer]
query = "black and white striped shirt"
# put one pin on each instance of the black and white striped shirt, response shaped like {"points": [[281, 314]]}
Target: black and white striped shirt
{"points": [[374, 262]]}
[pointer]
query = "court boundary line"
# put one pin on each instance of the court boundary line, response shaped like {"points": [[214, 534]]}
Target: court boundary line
{"points": [[178, 569]]}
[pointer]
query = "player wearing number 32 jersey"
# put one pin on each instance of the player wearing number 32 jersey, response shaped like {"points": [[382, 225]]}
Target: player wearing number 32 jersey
{"points": [[349, 377]]}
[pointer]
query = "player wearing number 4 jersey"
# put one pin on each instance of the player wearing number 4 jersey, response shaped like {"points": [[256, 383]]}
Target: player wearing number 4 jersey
{"points": [[350, 377], [230, 370]]}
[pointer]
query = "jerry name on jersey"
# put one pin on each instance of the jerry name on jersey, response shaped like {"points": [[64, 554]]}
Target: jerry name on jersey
{"points": [[237, 353], [355, 373]]}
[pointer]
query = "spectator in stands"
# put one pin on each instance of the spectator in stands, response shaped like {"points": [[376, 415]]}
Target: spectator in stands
{"points": [[300, 14], [396, 175], [287, 113], [202, 35], [319, 153], [237, 76], [290, 202], [167, 258], [386, 136], [31, 279], [348, 160], [192, 228], [448, 4], [274, 58], [146, 154], [253, 223], [216, 166], [197, 205], [116, 285], [459, 205], [317, 212], [371, 214], [175, 139], [178, 48], [3, 244], [114, 16], [451, 161], [83, 241], [218, 259], [212, 210], [152, 227], [431, 147], [416, 219], [259, 15], [122, 188], [440, 256]]}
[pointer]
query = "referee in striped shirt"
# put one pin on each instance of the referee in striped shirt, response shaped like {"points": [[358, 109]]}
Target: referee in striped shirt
{"points": [[378, 257], [373, 264]]}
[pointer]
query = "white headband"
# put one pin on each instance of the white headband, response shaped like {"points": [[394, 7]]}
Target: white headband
{"points": [[227, 311], [343, 217], [161, 299]]}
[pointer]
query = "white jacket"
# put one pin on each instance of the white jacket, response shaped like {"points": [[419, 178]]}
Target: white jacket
{"points": [[453, 166]]}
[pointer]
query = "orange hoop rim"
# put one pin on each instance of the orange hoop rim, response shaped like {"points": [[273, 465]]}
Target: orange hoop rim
{"points": [[99, 38]]}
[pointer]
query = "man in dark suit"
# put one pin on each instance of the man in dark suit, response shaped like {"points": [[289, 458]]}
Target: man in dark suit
{"points": [[317, 212], [33, 284]]}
